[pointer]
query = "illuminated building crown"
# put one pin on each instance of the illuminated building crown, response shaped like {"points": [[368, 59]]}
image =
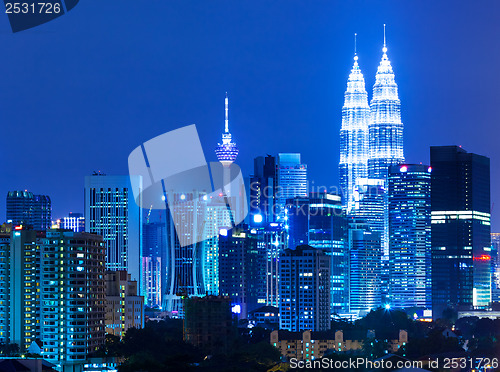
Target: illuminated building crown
{"points": [[227, 151]]}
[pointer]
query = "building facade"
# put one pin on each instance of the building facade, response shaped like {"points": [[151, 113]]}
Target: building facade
{"points": [[74, 221], [319, 221], [24, 283], [291, 181], [26, 208], [410, 235], [208, 323], [385, 127], [154, 251], [304, 289], [242, 269], [263, 191], [460, 217], [365, 271], [72, 267], [124, 307], [111, 211], [354, 135]]}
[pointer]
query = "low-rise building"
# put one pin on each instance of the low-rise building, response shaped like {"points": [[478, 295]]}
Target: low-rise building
{"points": [[310, 345], [124, 308]]}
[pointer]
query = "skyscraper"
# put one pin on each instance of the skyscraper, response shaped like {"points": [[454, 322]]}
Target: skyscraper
{"points": [[154, 251], [291, 180], [263, 191], [364, 268], [111, 211], [354, 134], [217, 215], [242, 269], [461, 241], [25, 208], [184, 249], [72, 294], [304, 289], [23, 283], [385, 127], [319, 221], [410, 235]]}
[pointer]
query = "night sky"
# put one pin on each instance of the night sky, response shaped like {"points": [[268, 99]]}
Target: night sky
{"points": [[78, 94]]}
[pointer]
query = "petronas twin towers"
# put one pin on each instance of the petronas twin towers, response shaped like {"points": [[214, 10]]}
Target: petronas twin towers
{"points": [[371, 136]]}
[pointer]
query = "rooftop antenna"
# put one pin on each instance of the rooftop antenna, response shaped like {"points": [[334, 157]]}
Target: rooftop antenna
{"points": [[227, 112], [355, 50], [384, 35], [384, 49]]}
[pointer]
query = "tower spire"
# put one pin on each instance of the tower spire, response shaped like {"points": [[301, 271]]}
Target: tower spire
{"points": [[384, 49], [355, 34], [384, 35], [227, 150], [226, 122]]}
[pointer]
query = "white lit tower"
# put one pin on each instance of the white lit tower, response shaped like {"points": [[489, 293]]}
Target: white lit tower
{"points": [[354, 134], [227, 151], [385, 127]]}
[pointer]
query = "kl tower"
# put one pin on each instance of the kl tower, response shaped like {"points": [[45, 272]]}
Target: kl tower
{"points": [[226, 152]]}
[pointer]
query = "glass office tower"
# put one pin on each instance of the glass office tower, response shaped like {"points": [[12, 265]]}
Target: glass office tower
{"points": [[25, 208], [364, 268], [461, 241], [319, 221], [410, 235], [111, 211], [291, 180]]}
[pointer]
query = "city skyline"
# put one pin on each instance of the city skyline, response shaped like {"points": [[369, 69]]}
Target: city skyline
{"points": [[278, 92]]}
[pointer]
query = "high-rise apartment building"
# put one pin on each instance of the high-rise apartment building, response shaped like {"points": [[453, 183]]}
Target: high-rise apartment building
{"points": [[23, 283], [111, 211], [72, 291], [410, 235], [461, 241], [291, 180], [304, 289], [242, 269], [354, 135], [25, 208], [124, 306], [319, 221], [4, 285], [52, 290], [364, 268]]}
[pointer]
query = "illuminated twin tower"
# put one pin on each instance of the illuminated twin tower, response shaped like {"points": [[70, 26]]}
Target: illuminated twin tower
{"points": [[371, 136]]}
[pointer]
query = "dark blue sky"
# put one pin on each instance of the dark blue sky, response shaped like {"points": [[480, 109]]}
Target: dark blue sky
{"points": [[81, 92]]}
